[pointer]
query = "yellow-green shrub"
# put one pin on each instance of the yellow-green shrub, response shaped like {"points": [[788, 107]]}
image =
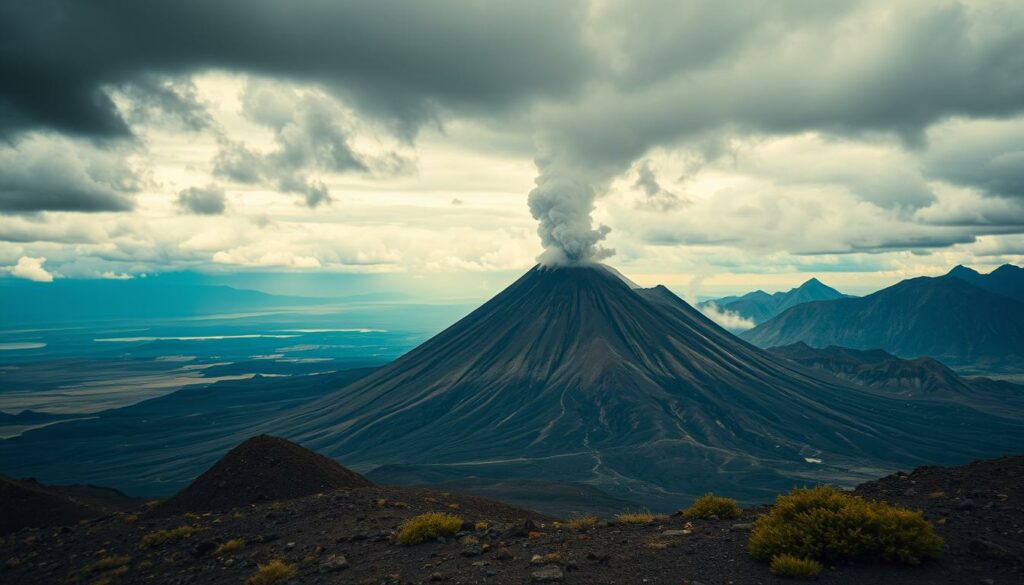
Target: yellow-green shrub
{"points": [[276, 571], [162, 536], [638, 517], [710, 505], [426, 527], [582, 522], [794, 567], [826, 524], [229, 546]]}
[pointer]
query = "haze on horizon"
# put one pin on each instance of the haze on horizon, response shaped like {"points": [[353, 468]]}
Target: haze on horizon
{"points": [[714, 146]]}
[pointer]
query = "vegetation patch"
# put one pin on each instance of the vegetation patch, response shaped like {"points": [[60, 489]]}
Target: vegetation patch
{"points": [[427, 527], [826, 524], [229, 546], [792, 567], [709, 506], [583, 522], [276, 571], [164, 536], [107, 566], [638, 517]]}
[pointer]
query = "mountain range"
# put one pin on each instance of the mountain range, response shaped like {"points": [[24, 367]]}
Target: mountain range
{"points": [[921, 378], [759, 306], [572, 374], [1007, 280], [959, 318]]}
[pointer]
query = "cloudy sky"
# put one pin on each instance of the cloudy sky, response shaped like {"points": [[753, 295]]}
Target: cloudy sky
{"points": [[714, 146]]}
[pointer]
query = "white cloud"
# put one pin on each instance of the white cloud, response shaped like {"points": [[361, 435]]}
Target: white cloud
{"points": [[728, 319], [31, 269]]}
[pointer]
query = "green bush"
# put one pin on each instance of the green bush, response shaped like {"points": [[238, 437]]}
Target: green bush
{"points": [[826, 524], [710, 505], [794, 567], [427, 527]]}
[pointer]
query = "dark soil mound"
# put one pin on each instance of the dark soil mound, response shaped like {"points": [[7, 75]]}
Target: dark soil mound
{"points": [[262, 469], [28, 503], [976, 507]]}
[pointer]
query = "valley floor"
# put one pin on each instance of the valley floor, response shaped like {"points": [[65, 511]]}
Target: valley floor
{"points": [[345, 537]]}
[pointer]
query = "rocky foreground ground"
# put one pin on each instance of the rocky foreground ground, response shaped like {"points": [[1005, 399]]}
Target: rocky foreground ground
{"points": [[345, 536]]}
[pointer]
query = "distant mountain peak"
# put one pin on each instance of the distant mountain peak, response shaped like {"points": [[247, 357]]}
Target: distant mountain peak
{"points": [[1007, 269], [961, 271]]}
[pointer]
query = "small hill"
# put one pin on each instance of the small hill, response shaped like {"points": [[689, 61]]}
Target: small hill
{"points": [[759, 306], [946, 318], [27, 503], [262, 469]]}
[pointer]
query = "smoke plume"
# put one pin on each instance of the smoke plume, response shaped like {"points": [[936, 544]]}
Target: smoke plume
{"points": [[562, 202]]}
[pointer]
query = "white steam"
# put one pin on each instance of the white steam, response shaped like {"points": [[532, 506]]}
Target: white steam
{"points": [[562, 202], [730, 320]]}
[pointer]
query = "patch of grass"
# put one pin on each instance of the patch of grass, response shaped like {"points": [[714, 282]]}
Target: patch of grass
{"points": [[13, 563], [553, 557], [107, 567], [229, 546], [792, 567], [826, 524], [108, 563], [710, 506], [661, 544], [937, 495], [638, 517], [276, 571], [582, 523], [164, 536], [481, 525], [427, 527]]}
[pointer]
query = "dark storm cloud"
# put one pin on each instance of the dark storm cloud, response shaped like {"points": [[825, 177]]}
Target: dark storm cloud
{"points": [[848, 70], [985, 155], [153, 98], [202, 200], [311, 133], [44, 173], [398, 60]]}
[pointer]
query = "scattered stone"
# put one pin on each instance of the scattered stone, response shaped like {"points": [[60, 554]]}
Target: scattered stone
{"points": [[743, 527], [675, 533], [520, 529], [202, 548], [984, 549], [435, 577], [504, 554], [334, 564], [471, 551], [548, 574], [600, 557], [965, 505], [289, 546]]}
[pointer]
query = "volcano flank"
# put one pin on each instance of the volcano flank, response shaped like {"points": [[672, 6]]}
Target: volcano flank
{"points": [[573, 374]]}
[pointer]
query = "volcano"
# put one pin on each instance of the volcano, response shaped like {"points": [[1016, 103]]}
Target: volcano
{"points": [[575, 374]]}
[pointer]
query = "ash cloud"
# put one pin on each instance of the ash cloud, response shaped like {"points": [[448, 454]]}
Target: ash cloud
{"points": [[562, 202]]}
